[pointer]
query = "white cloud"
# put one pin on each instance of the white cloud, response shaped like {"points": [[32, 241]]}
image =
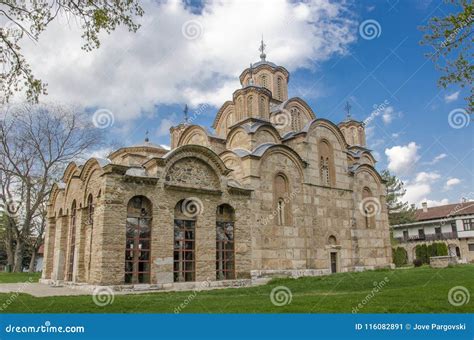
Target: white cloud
{"points": [[415, 192], [401, 157], [418, 189], [423, 177], [435, 203], [130, 73], [165, 125], [387, 115], [437, 159], [451, 97], [451, 182]]}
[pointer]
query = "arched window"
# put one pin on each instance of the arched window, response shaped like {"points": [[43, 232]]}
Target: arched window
{"points": [[279, 88], [261, 107], [184, 268], [72, 241], [295, 119], [90, 220], [249, 106], [225, 251], [332, 241], [324, 170], [326, 163], [369, 209], [229, 120], [264, 81], [138, 240], [281, 199], [90, 210], [354, 136], [240, 109]]}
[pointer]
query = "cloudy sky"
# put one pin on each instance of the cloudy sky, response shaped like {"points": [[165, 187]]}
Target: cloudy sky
{"points": [[364, 52]]}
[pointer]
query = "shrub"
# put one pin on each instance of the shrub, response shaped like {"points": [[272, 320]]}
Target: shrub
{"points": [[400, 256], [417, 262], [441, 249], [421, 252], [431, 250]]}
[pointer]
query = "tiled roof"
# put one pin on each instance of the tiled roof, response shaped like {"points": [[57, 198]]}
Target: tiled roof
{"points": [[448, 210]]}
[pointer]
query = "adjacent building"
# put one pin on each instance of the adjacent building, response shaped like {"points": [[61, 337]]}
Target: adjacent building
{"points": [[452, 224]]}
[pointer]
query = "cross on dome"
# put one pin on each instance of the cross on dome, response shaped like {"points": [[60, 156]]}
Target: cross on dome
{"points": [[262, 50]]}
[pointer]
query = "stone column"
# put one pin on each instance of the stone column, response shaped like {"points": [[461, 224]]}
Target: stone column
{"points": [[205, 241], [79, 267], [108, 243], [49, 241], [60, 248], [162, 242]]}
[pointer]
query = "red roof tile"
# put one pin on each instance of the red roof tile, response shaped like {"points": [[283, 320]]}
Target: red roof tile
{"points": [[448, 210]]}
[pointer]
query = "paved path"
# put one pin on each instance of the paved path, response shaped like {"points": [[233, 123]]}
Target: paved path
{"points": [[40, 290]]}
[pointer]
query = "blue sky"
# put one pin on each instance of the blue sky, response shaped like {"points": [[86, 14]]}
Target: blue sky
{"points": [[137, 77]]}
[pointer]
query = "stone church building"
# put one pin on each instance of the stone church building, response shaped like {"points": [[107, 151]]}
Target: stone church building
{"points": [[274, 190]]}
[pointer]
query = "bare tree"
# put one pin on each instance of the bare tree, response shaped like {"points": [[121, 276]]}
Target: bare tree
{"points": [[36, 143], [37, 233]]}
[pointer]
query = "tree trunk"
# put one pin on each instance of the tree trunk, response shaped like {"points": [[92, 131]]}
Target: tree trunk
{"points": [[9, 250], [32, 267], [9, 244], [18, 266]]}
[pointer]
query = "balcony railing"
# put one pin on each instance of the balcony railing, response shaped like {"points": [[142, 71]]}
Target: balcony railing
{"points": [[429, 237]]}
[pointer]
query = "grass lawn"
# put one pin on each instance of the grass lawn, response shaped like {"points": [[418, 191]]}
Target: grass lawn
{"points": [[417, 290], [19, 277]]}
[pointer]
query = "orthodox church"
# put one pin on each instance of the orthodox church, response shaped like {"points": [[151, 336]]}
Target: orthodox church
{"points": [[273, 190]]}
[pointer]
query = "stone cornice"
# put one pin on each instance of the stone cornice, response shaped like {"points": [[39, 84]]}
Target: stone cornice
{"points": [[193, 189]]}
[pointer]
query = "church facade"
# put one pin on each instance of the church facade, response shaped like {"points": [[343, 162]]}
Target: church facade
{"points": [[275, 190]]}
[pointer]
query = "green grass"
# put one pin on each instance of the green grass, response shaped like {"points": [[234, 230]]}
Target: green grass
{"points": [[417, 290], [19, 277]]}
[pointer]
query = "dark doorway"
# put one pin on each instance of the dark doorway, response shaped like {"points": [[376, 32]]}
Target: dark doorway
{"points": [[458, 252], [333, 262]]}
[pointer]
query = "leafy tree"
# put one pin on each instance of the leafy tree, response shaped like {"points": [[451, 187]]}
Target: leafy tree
{"points": [[452, 40], [399, 212], [30, 19]]}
